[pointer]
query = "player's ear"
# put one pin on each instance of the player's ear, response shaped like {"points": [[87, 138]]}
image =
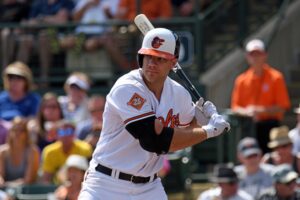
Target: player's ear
{"points": [[173, 63]]}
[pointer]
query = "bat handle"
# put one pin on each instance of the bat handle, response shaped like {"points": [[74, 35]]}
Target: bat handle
{"points": [[188, 83]]}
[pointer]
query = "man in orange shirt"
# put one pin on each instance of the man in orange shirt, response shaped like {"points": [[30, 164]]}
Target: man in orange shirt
{"points": [[152, 9], [260, 93]]}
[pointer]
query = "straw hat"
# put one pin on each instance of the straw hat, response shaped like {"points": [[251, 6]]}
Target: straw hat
{"points": [[279, 136], [19, 69]]}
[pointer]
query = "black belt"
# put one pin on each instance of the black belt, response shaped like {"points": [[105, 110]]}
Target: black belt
{"points": [[124, 176]]}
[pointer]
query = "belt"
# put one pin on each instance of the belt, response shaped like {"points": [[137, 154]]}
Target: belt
{"points": [[123, 176]]}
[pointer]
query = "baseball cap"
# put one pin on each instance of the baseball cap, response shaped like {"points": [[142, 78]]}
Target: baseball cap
{"points": [[279, 136], [284, 173], [248, 146], [224, 173], [78, 82], [255, 45], [77, 161]]}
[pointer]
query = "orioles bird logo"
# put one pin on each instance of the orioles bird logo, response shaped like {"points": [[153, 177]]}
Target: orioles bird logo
{"points": [[157, 42]]}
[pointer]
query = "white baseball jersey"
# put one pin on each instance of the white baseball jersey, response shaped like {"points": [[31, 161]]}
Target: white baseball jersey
{"points": [[130, 100]]}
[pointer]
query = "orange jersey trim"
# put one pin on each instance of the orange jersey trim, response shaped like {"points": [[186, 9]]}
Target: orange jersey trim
{"points": [[138, 117]]}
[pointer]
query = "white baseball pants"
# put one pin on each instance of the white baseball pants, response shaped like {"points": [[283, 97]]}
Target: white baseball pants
{"points": [[98, 186]]}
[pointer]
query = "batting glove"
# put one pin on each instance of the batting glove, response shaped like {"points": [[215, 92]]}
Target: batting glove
{"points": [[203, 112], [216, 126]]}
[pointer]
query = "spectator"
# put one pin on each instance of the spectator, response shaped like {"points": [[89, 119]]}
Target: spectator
{"points": [[281, 146], [294, 134], [74, 104], [75, 168], [90, 129], [185, 8], [228, 188], [42, 127], [54, 155], [253, 175], [94, 37], [284, 186], [46, 12], [153, 9], [11, 11], [17, 99], [19, 158], [260, 93]]}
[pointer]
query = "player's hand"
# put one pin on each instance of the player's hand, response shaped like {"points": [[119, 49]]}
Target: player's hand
{"points": [[204, 111], [216, 126]]}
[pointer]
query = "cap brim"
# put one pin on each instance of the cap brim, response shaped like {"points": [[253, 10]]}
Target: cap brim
{"points": [[277, 143], [223, 180], [14, 71], [73, 80], [289, 177], [156, 53], [250, 152], [255, 49]]}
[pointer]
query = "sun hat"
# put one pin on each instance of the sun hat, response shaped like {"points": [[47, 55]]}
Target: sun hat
{"points": [[18, 69], [279, 136]]}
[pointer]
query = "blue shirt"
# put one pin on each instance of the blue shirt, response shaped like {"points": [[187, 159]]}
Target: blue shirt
{"points": [[42, 8], [28, 106]]}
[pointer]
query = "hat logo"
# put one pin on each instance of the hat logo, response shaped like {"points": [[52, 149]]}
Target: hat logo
{"points": [[157, 42]]}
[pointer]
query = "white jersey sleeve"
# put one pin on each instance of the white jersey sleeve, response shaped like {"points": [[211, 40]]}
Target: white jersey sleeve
{"points": [[131, 103]]}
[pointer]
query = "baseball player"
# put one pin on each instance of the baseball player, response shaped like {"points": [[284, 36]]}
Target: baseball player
{"points": [[147, 114]]}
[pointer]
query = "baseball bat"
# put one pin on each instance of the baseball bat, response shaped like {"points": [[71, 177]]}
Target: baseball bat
{"points": [[144, 25]]}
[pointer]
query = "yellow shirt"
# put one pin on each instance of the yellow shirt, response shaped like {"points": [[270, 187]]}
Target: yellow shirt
{"points": [[54, 157]]}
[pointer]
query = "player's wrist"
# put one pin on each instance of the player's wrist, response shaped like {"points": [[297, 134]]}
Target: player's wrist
{"points": [[209, 130]]}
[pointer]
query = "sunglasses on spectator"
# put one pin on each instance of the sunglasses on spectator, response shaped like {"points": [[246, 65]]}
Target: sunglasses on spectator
{"points": [[65, 131]]}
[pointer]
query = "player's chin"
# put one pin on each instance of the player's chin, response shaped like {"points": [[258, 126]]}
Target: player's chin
{"points": [[151, 74]]}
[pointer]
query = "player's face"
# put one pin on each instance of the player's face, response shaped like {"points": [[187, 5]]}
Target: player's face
{"points": [[156, 68]]}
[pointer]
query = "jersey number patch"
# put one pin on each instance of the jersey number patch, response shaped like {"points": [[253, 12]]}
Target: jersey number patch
{"points": [[136, 101]]}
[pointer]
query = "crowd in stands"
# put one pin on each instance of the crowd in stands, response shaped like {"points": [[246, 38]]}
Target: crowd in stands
{"points": [[34, 39]]}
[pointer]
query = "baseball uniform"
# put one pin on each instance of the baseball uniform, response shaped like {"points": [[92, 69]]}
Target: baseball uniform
{"points": [[130, 100]]}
